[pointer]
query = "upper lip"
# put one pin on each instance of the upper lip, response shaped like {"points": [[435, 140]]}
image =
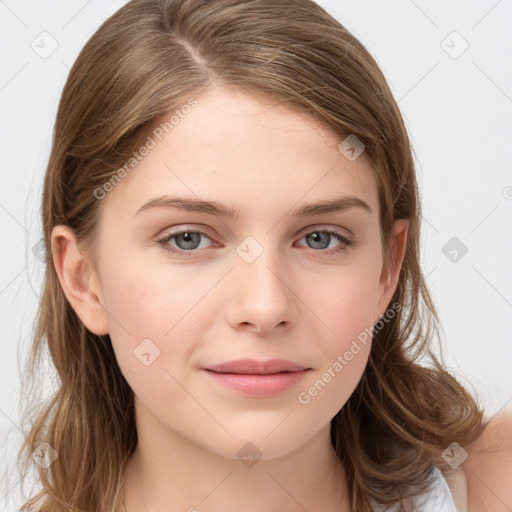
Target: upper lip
{"points": [[251, 366]]}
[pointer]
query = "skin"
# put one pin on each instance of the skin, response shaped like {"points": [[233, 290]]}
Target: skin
{"points": [[488, 468], [295, 301]]}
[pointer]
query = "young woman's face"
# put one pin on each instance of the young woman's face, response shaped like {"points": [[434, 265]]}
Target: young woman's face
{"points": [[262, 284]]}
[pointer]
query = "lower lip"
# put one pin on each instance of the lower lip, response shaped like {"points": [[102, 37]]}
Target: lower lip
{"points": [[258, 385]]}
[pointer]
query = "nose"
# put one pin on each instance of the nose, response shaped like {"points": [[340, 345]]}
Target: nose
{"points": [[262, 295]]}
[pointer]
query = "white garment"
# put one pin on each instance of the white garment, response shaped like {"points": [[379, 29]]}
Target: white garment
{"points": [[438, 498]]}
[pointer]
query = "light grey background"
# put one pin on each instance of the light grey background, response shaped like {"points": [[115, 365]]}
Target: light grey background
{"points": [[458, 111]]}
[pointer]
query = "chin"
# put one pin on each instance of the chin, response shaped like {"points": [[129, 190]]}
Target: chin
{"points": [[255, 444]]}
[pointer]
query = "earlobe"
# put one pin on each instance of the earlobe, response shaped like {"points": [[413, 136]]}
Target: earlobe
{"points": [[391, 271], [77, 278]]}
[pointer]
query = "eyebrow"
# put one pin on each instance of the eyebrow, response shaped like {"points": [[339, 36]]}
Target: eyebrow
{"points": [[336, 205]]}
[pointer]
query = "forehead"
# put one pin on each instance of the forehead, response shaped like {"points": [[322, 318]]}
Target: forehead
{"points": [[245, 150]]}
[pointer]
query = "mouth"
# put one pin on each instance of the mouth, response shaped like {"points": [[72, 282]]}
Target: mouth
{"points": [[254, 367], [255, 379]]}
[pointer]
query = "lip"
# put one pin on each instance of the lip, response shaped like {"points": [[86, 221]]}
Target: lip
{"points": [[252, 366], [258, 379]]}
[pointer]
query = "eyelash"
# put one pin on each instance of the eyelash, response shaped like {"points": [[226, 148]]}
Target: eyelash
{"points": [[347, 241]]}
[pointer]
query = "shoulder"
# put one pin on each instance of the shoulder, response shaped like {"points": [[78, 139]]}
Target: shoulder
{"points": [[488, 468]]}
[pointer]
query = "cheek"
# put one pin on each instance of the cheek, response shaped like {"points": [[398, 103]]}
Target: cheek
{"points": [[150, 297], [342, 308], [342, 303], [154, 332], [327, 391], [344, 345], [161, 304]]}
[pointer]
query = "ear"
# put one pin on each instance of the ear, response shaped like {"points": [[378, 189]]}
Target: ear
{"points": [[391, 270], [79, 280]]}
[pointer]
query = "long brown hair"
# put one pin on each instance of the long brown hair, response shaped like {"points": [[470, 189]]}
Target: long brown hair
{"points": [[146, 60]]}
